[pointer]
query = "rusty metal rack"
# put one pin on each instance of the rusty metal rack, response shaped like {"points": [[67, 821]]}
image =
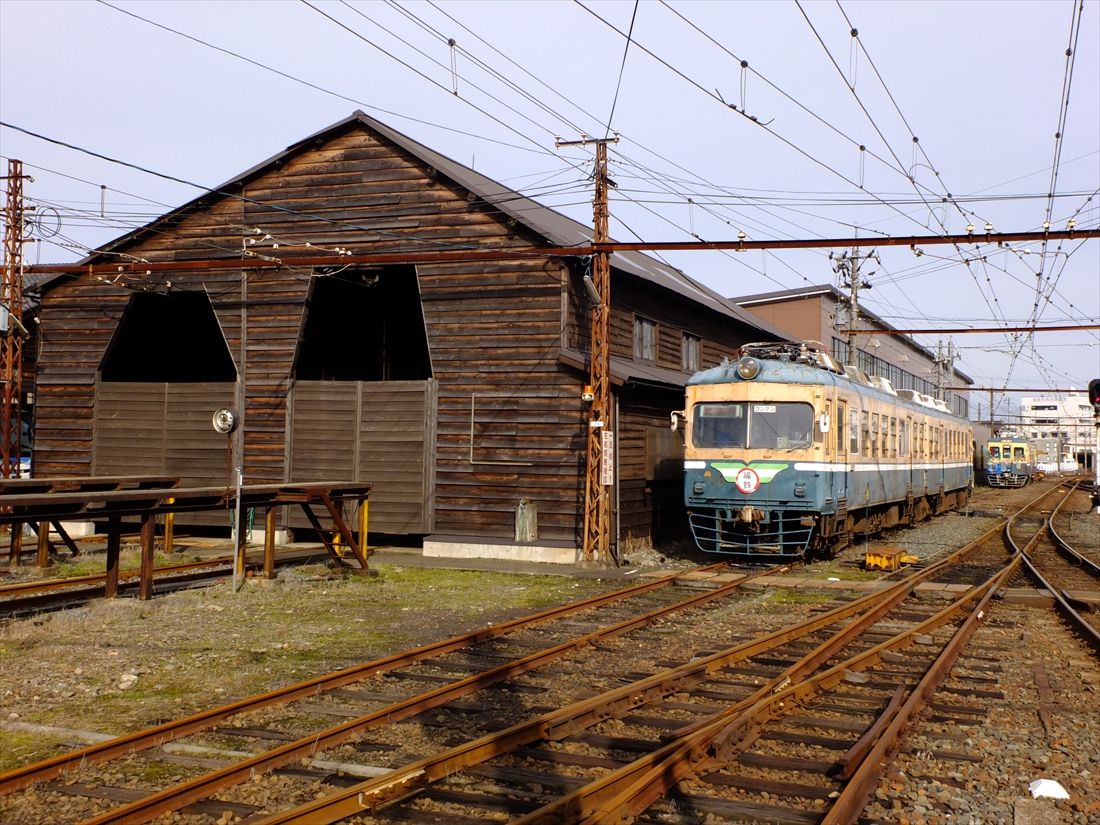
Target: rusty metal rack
{"points": [[45, 502]]}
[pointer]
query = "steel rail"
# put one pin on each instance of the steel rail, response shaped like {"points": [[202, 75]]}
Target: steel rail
{"points": [[649, 777], [46, 585], [625, 792], [63, 599], [1064, 547], [556, 724], [153, 737], [853, 798], [1076, 621], [563, 722], [175, 797], [848, 806]]}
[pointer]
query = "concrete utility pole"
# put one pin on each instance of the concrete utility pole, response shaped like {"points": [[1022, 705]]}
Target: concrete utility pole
{"points": [[12, 331], [600, 462], [945, 360], [847, 265]]}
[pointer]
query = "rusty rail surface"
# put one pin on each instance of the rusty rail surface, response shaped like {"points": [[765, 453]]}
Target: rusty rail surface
{"points": [[1065, 547], [177, 796], [561, 723], [649, 777], [1077, 622], [140, 740], [634, 787]]}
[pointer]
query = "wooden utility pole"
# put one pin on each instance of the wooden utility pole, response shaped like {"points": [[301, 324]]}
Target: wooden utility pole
{"points": [[12, 332], [600, 463]]}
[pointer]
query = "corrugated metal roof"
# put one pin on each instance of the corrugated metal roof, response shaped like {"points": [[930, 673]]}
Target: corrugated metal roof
{"points": [[557, 228]]}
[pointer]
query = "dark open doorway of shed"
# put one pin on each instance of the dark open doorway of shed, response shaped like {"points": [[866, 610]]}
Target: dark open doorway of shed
{"points": [[364, 325], [174, 338]]}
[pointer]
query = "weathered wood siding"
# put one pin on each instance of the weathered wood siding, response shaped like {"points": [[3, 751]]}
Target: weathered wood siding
{"points": [[509, 421], [492, 329], [651, 469], [162, 429], [377, 432]]}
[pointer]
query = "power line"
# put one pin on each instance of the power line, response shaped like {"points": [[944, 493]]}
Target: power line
{"points": [[314, 86], [622, 67]]}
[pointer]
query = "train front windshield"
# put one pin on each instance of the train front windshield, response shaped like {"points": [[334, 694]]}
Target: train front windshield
{"points": [[753, 425]]}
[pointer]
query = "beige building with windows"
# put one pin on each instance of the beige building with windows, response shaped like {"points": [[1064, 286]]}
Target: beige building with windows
{"points": [[1061, 428], [818, 313]]}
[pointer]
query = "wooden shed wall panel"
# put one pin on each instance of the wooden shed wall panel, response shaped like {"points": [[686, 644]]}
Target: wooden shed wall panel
{"points": [[377, 432], [161, 428], [494, 329]]}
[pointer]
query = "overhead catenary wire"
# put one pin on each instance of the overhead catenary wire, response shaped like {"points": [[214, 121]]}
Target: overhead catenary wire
{"points": [[622, 68], [994, 307], [1059, 134], [258, 64]]}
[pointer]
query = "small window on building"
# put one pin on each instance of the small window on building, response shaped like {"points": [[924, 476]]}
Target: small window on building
{"points": [[689, 353], [645, 339]]}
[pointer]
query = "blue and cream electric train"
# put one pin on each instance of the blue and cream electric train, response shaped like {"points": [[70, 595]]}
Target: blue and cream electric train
{"points": [[788, 453], [1008, 461]]}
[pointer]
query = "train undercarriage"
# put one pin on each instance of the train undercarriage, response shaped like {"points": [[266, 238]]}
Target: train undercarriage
{"points": [[776, 534]]}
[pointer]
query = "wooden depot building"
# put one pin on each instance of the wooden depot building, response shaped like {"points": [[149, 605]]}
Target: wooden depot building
{"points": [[454, 388]]}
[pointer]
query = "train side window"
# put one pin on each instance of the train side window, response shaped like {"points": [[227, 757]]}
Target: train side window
{"points": [[920, 440], [826, 441], [853, 432], [841, 422], [893, 438], [903, 437], [874, 436]]}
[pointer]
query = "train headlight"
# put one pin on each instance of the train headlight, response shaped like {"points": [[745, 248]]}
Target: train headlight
{"points": [[748, 368]]}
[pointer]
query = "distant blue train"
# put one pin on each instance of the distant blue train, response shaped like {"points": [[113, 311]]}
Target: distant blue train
{"points": [[1008, 461], [788, 453]]}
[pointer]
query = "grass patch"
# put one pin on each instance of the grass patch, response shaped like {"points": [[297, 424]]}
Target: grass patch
{"points": [[794, 595], [21, 747], [196, 649]]}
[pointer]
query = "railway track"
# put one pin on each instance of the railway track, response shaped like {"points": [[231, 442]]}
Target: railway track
{"points": [[750, 706], [1071, 578], [517, 723], [427, 677], [44, 595]]}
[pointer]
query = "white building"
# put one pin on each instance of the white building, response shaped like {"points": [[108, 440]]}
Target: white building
{"points": [[1061, 428]]}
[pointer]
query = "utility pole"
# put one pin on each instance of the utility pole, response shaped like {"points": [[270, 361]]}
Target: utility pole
{"points": [[945, 360], [600, 461], [12, 331], [847, 266]]}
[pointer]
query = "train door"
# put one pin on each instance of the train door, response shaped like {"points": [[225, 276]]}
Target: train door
{"points": [[905, 453], [840, 465]]}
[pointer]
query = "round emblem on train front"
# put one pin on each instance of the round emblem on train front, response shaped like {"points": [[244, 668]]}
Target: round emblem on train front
{"points": [[747, 480]]}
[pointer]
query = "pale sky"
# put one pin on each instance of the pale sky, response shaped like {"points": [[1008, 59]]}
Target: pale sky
{"points": [[980, 84]]}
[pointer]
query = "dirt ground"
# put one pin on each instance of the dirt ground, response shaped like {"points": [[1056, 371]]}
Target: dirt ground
{"points": [[121, 665]]}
